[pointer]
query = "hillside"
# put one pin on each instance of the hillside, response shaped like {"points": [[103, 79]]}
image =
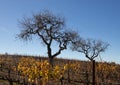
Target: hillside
{"points": [[77, 72]]}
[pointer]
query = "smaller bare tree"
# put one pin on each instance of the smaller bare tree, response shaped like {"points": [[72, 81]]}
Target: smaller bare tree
{"points": [[91, 48]]}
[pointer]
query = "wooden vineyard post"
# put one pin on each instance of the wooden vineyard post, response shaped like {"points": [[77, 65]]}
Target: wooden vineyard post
{"points": [[68, 71], [87, 78]]}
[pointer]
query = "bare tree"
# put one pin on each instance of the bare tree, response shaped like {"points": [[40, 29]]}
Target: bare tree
{"points": [[50, 29], [91, 49]]}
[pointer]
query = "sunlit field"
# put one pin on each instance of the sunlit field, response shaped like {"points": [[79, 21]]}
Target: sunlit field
{"points": [[29, 70]]}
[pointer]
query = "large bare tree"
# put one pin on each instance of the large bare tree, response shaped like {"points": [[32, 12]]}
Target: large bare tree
{"points": [[50, 29]]}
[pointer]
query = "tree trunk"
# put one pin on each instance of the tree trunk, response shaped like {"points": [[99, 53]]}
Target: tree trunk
{"points": [[51, 61], [93, 72], [50, 55]]}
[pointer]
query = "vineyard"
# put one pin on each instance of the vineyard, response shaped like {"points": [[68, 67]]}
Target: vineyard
{"points": [[29, 70]]}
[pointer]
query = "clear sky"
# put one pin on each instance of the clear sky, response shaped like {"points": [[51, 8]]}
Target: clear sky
{"points": [[97, 19]]}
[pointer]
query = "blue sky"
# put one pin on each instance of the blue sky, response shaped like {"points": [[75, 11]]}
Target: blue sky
{"points": [[97, 19]]}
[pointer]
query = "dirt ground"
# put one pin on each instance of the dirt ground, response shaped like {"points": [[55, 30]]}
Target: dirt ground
{"points": [[3, 82]]}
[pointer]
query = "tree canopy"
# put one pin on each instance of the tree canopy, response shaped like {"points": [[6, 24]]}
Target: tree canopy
{"points": [[91, 48], [49, 28]]}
